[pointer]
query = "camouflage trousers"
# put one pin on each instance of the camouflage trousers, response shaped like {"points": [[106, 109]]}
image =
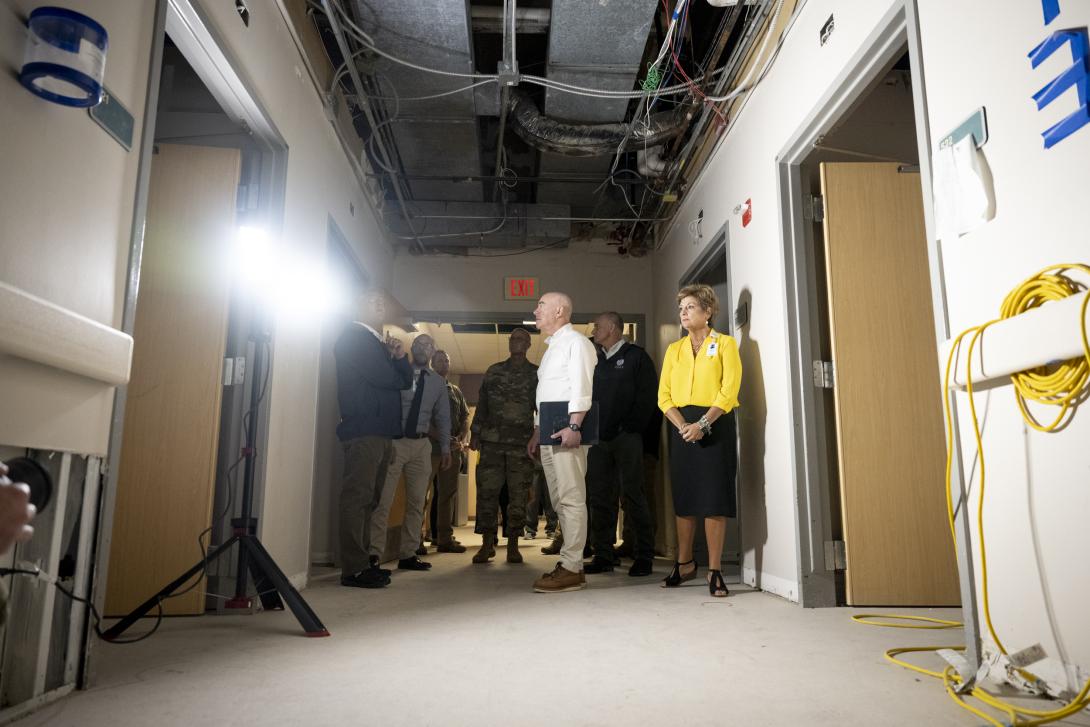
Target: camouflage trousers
{"points": [[500, 464]]}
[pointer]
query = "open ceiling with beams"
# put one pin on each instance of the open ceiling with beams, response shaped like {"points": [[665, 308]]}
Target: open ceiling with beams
{"points": [[522, 124]]}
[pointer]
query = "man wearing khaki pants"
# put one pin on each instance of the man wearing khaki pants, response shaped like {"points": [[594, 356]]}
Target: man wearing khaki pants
{"points": [[566, 374]]}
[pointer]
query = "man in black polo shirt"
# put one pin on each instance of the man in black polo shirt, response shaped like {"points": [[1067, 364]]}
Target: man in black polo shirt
{"points": [[625, 387], [371, 372]]}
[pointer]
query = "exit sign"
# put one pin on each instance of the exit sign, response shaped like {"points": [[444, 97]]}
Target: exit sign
{"points": [[520, 288]]}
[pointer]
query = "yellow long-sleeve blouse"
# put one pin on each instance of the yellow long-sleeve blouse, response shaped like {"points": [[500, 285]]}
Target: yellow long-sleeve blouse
{"points": [[710, 378]]}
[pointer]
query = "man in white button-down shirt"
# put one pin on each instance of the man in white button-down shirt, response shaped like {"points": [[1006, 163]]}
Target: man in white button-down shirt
{"points": [[566, 374]]}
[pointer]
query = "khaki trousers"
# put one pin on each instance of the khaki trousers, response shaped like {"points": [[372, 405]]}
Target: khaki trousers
{"points": [[413, 458], [566, 473]]}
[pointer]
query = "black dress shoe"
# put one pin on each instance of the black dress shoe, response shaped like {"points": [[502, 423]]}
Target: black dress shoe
{"points": [[599, 565], [413, 563], [366, 579], [374, 566], [640, 567]]}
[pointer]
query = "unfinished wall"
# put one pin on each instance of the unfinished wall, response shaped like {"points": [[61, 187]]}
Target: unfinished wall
{"points": [[1037, 495], [743, 167]]}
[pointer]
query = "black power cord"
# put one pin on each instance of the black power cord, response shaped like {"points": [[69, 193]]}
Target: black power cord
{"points": [[97, 619]]}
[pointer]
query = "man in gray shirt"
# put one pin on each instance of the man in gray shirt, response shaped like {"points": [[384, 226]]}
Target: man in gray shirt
{"points": [[421, 406]]}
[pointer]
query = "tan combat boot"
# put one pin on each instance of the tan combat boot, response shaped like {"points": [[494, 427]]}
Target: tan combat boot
{"points": [[488, 549], [513, 554]]}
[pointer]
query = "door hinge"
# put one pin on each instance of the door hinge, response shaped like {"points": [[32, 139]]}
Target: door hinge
{"points": [[836, 557], [824, 374], [234, 370], [815, 210]]}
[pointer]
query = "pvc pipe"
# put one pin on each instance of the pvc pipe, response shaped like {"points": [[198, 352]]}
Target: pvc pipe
{"points": [[1035, 338]]}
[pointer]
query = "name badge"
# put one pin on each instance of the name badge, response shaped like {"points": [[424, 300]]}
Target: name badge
{"points": [[711, 348]]}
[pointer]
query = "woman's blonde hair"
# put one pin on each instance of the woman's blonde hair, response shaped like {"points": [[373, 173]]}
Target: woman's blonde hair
{"points": [[704, 295]]}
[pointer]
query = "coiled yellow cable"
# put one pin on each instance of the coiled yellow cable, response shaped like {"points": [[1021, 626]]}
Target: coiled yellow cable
{"points": [[1063, 385]]}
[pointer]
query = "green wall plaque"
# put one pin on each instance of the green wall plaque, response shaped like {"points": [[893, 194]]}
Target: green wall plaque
{"points": [[114, 118]]}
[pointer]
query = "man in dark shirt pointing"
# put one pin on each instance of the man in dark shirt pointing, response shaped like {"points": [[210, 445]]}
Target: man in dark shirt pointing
{"points": [[371, 372]]}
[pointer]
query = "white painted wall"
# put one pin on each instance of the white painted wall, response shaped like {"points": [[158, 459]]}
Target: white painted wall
{"points": [[1037, 495], [592, 273], [66, 198], [744, 167]]}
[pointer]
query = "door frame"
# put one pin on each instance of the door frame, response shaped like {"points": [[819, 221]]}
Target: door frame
{"points": [[718, 248], [202, 48], [897, 29]]}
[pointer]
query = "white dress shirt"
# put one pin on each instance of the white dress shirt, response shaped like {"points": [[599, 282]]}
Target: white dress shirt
{"points": [[566, 372]]}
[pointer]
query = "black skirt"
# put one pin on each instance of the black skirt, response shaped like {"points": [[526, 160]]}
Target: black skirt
{"points": [[702, 473]]}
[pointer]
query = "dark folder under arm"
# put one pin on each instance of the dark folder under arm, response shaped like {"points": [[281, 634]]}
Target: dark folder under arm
{"points": [[553, 416]]}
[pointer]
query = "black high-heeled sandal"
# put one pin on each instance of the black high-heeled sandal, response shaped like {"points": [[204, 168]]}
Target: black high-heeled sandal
{"points": [[717, 584], [676, 578]]}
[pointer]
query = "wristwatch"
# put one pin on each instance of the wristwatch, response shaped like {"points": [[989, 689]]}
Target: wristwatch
{"points": [[575, 427]]}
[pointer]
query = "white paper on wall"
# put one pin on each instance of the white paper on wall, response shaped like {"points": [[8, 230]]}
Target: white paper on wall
{"points": [[964, 197]]}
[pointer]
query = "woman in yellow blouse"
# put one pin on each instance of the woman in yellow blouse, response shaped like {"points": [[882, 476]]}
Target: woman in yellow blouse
{"points": [[698, 392]]}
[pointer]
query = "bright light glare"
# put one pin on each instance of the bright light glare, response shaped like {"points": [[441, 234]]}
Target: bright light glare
{"points": [[289, 283]]}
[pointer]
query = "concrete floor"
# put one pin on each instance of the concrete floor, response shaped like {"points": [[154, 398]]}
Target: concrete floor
{"points": [[472, 645]]}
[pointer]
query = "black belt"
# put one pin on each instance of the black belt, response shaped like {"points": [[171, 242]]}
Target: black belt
{"points": [[413, 436]]}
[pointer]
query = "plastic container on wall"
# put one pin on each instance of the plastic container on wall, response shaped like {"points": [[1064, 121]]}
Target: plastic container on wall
{"points": [[65, 57]]}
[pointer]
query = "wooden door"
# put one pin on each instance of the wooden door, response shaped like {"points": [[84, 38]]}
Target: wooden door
{"points": [[168, 453], [888, 404]]}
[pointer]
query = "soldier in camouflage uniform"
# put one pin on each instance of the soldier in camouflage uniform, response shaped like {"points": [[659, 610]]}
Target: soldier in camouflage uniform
{"points": [[504, 421]]}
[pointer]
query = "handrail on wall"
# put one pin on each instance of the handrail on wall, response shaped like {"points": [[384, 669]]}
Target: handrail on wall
{"points": [[37, 330]]}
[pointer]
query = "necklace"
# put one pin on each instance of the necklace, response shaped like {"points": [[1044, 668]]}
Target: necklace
{"points": [[695, 343]]}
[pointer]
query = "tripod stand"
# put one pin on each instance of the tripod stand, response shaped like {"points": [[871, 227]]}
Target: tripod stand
{"points": [[273, 587]]}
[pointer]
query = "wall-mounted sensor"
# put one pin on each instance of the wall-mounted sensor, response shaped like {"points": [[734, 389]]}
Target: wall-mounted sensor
{"points": [[65, 57]]}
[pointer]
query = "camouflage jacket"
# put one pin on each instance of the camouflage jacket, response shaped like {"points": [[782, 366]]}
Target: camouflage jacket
{"points": [[505, 407]]}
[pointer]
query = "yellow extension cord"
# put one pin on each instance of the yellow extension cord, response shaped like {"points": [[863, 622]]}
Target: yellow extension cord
{"points": [[1062, 385]]}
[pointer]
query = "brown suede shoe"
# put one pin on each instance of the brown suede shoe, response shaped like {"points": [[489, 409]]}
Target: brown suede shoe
{"points": [[560, 580]]}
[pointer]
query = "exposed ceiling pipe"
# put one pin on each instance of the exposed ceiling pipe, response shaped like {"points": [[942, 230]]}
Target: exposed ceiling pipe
{"points": [[357, 83], [650, 162], [585, 140]]}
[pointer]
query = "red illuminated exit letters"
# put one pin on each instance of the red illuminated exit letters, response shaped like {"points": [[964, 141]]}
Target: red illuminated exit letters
{"points": [[520, 289]]}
